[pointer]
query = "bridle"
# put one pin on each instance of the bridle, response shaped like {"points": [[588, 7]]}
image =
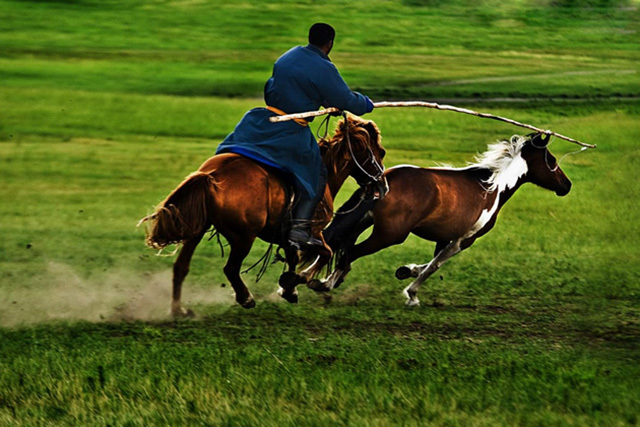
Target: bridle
{"points": [[546, 154], [376, 178], [379, 170]]}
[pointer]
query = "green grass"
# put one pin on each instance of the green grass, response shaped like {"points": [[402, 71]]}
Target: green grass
{"points": [[535, 324], [105, 107], [453, 366], [201, 48]]}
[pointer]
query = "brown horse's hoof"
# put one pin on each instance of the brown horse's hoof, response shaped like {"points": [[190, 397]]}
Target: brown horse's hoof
{"points": [[403, 272], [290, 297], [318, 286], [289, 280], [250, 303]]}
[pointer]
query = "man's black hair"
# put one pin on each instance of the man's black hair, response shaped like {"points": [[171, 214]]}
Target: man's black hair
{"points": [[320, 34]]}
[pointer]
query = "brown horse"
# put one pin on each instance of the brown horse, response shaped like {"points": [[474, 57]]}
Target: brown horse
{"points": [[242, 200], [452, 207]]}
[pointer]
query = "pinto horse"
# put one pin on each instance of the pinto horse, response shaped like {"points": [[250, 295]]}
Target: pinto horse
{"points": [[452, 207], [243, 200]]}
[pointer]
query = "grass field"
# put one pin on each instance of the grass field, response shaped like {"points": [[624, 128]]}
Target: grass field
{"points": [[105, 107]]}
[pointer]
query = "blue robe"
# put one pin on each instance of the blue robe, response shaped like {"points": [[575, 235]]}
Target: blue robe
{"points": [[303, 79]]}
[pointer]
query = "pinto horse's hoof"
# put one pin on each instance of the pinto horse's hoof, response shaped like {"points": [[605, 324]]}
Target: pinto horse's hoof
{"points": [[318, 286], [413, 302], [403, 272], [183, 313]]}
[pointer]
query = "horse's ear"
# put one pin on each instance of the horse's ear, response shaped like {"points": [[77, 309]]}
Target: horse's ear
{"points": [[375, 137], [372, 130], [540, 139], [324, 146], [343, 125], [545, 138]]}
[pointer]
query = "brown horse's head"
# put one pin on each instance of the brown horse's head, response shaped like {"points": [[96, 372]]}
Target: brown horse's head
{"points": [[543, 168], [355, 150]]}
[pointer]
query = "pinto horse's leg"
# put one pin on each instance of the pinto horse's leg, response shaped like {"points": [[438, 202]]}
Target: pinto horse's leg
{"points": [[240, 247], [309, 274], [180, 271], [342, 267], [413, 270], [349, 255], [351, 220], [381, 237], [333, 281], [322, 257], [424, 271]]}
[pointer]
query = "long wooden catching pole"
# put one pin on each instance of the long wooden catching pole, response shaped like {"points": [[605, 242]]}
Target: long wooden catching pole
{"points": [[385, 104]]}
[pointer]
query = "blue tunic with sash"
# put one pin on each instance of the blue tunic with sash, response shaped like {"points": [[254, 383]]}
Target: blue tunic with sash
{"points": [[303, 80]]}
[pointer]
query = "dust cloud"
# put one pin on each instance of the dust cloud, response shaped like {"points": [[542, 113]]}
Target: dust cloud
{"points": [[62, 294]]}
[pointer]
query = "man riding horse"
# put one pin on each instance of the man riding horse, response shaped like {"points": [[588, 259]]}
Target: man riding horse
{"points": [[303, 79]]}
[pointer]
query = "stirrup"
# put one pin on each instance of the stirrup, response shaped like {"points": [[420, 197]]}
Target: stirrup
{"points": [[300, 238]]}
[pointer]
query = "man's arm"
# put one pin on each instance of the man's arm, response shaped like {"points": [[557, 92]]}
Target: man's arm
{"points": [[337, 94]]}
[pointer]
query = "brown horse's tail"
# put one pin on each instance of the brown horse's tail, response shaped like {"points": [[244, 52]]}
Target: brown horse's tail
{"points": [[183, 214]]}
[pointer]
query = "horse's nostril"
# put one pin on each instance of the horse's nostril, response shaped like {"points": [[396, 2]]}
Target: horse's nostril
{"points": [[565, 189]]}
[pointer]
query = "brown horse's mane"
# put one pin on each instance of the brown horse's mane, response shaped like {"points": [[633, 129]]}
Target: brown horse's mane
{"points": [[361, 133], [336, 153]]}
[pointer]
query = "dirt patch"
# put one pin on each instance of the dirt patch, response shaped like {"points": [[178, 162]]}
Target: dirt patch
{"points": [[62, 294]]}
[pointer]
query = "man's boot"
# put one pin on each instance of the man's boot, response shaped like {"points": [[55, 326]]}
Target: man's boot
{"points": [[300, 236]]}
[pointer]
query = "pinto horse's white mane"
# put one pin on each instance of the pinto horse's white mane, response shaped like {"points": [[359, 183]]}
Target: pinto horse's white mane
{"points": [[504, 161]]}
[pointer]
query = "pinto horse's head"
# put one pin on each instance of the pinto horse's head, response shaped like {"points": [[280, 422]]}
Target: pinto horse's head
{"points": [[543, 168]]}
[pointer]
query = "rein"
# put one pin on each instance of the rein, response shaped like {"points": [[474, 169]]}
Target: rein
{"points": [[354, 208], [372, 159], [325, 123], [546, 154], [570, 154]]}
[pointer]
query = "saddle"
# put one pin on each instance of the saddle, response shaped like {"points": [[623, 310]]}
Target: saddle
{"points": [[297, 235]]}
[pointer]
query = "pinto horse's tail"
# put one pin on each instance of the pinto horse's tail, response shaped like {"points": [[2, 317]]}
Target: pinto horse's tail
{"points": [[183, 214]]}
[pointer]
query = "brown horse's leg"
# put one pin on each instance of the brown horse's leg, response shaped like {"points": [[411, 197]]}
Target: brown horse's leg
{"points": [[290, 279], [240, 248], [180, 271]]}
